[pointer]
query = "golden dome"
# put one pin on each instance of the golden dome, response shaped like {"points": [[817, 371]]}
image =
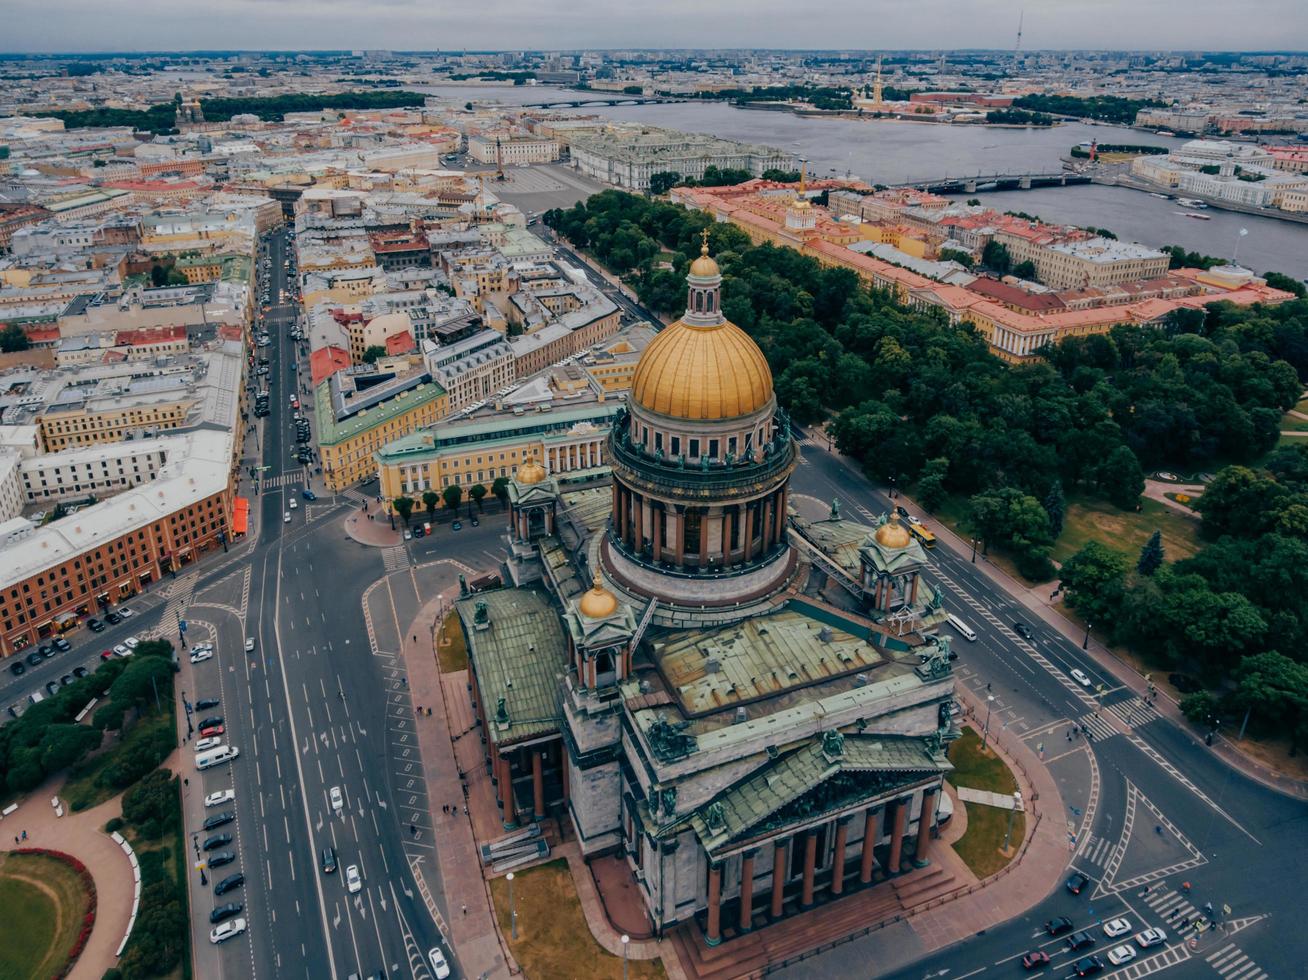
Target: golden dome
{"points": [[704, 267], [530, 472], [893, 534], [598, 602], [713, 372]]}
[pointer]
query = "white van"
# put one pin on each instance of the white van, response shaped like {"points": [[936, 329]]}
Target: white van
{"points": [[961, 628], [216, 757]]}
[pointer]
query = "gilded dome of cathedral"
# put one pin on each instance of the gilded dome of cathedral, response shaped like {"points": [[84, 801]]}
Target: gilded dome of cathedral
{"points": [[893, 534]]}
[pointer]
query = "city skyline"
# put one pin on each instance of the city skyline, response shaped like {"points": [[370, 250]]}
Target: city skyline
{"points": [[72, 26]]}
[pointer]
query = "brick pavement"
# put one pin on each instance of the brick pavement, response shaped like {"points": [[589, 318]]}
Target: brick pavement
{"points": [[82, 835], [375, 532]]}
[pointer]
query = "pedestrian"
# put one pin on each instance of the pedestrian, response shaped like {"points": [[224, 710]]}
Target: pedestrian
{"points": [[429, 712], [445, 808], [465, 809], [24, 835], [185, 781], [465, 909], [16, 840], [413, 830]]}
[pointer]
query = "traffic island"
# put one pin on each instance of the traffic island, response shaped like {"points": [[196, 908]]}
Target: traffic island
{"points": [[553, 940], [986, 786]]}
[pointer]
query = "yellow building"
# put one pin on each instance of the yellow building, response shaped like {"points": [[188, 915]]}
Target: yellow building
{"points": [[351, 429], [87, 427]]}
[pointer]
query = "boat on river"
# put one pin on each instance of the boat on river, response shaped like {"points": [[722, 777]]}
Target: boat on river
{"points": [[1190, 202]]}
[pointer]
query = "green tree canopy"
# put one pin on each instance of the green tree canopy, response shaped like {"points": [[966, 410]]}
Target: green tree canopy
{"points": [[1094, 581], [404, 507]]}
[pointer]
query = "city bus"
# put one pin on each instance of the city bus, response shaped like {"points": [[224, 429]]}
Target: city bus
{"points": [[919, 531]]}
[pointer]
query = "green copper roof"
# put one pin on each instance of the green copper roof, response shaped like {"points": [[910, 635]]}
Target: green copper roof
{"points": [[519, 656], [330, 432]]}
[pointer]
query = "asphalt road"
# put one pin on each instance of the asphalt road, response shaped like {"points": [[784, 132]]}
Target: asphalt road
{"points": [[311, 708], [1148, 805]]}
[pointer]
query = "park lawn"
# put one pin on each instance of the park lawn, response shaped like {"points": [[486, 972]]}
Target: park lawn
{"points": [[451, 648], [1290, 423], [986, 825], [553, 941], [85, 788], [38, 926], [1097, 520]]}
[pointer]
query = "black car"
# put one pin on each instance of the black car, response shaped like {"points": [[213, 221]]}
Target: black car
{"points": [[34, 658], [18, 667], [46, 651], [62, 645], [1076, 882], [1080, 940], [328, 860], [94, 625], [1088, 967], [228, 883], [1022, 630], [112, 618], [65, 680], [221, 858], [219, 820], [80, 672], [52, 688], [476, 523], [211, 722], [902, 511], [457, 526], [225, 911], [1058, 926], [216, 841], [204, 704]]}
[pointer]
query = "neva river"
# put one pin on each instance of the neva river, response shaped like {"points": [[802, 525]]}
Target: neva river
{"points": [[892, 152]]}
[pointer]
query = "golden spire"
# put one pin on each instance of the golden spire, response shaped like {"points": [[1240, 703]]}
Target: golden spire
{"points": [[803, 177], [703, 241]]}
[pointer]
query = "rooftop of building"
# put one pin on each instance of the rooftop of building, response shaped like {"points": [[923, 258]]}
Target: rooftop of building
{"points": [[344, 408]]}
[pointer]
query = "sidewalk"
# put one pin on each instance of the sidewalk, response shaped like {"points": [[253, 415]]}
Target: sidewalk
{"points": [[372, 527], [1036, 599], [82, 835]]}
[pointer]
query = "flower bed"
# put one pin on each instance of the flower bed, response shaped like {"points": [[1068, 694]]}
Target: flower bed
{"points": [[88, 915]]}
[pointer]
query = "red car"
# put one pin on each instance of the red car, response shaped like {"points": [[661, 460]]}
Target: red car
{"points": [[106, 655], [1035, 958], [211, 730]]}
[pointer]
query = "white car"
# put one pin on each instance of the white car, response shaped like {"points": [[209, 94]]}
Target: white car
{"points": [[1150, 937], [204, 744], [1121, 954], [220, 797], [249, 644], [286, 518], [199, 656], [338, 801], [1079, 676], [224, 932], [294, 504], [125, 612], [131, 643], [352, 880], [438, 964], [201, 646], [122, 651], [1117, 927]]}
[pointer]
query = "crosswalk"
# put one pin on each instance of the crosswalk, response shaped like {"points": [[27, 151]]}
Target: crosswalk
{"points": [[358, 496], [1136, 969], [1099, 850], [282, 480], [1098, 726], [1233, 964], [1180, 917], [1135, 712], [395, 559]]}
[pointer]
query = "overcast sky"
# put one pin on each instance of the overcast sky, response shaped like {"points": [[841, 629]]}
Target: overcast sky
{"points": [[134, 25]]}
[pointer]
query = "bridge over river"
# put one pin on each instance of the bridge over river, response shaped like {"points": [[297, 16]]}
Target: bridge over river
{"points": [[997, 182]]}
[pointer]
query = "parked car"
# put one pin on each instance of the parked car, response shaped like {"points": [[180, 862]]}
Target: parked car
{"points": [[45, 651], [131, 643], [62, 645], [228, 883], [80, 672], [224, 932], [211, 721], [308, 495], [34, 659], [205, 744], [220, 797], [112, 618], [438, 963], [224, 912], [210, 731], [219, 820], [18, 668], [94, 625], [1088, 967], [199, 656], [51, 688], [1076, 882], [216, 841], [221, 858], [457, 526], [204, 704], [125, 612], [121, 650], [1117, 927]]}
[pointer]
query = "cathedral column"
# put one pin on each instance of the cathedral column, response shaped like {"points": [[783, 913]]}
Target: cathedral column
{"points": [[679, 533], [765, 543], [714, 905], [639, 542], [869, 842], [563, 771], [897, 835], [703, 539], [657, 522], [838, 857], [615, 512], [728, 519], [924, 826], [538, 784], [810, 865], [747, 889], [783, 500], [778, 877], [749, 532]]}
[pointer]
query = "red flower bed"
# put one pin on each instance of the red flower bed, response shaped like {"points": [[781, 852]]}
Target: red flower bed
{"points": [[88, 918]]}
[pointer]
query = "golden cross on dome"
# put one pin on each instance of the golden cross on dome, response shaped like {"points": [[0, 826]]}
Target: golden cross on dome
{"points": [[703, 248]]}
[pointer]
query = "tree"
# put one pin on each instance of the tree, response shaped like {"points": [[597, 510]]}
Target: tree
{"points": [[1094, 582], [154, 648], [663, 181], [145, 680], [1238, 499], [1151, 555], [931, 484], [1025, 270], [1015, 521], [477, 492], [500, 488], [147, 804], [158, 275], [66, 744], [404, 507], [13, 339], [1279, 280], [453, 495], [1200, 708], [431, 500], [373, 352], [1270, 687], [1055, 505], [1121, 479], [995, 256], [956, 255]]}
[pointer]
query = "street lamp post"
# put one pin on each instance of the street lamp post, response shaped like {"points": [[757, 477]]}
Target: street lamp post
{"points": [[1017, 802], [513, 909], [625, 941], [1085, 643], [985, 732], [974, 543]]}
